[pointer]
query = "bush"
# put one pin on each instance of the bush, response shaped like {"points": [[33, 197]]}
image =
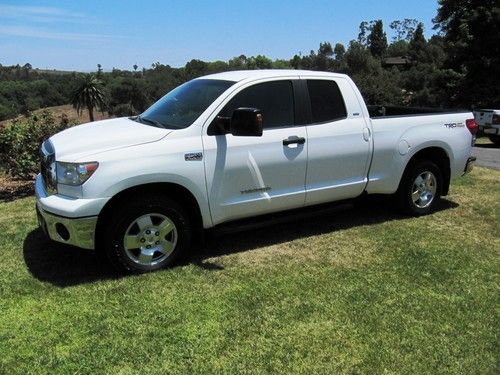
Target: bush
{"points": [[123, 110], [20, 143]]}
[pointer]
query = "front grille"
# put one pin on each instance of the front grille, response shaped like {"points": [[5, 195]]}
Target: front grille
{"points": [[48, 167]]}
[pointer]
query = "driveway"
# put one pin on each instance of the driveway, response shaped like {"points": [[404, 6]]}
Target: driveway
{"points": [[487, 155]]}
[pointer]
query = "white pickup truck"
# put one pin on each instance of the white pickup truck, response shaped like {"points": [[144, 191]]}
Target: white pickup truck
{"points": [[237, 145], [488, 122]]}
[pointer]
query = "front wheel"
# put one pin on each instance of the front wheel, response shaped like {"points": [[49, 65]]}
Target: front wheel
{"points": [[420, 188], [146, 234]]}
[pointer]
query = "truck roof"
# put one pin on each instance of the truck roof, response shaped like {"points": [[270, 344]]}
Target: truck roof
{"points": [[239, 75]]}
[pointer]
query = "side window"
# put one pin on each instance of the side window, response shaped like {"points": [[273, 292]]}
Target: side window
{"points": [[274, 99], [326, 99]]}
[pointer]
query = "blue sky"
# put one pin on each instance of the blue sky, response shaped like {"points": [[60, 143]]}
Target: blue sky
{"points": [[77, 35]]}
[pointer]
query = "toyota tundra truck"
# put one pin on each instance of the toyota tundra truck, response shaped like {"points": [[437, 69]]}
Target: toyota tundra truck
{"points": [[232, 146]]}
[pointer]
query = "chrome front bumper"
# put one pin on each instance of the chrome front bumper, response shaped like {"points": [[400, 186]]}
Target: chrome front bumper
{"points": [[72, 231]]}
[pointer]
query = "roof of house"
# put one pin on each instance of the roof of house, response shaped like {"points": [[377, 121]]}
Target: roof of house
{"points": [[398, 60]]}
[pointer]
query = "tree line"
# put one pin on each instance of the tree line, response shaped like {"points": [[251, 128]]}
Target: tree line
{"points": [[458, 67]]}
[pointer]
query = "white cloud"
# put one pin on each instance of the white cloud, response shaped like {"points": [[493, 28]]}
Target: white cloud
{"points": [[20, 11], [41, 14], [34, 32]]}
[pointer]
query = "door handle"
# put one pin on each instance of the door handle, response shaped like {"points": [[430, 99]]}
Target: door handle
{"points": [[295, 140]]}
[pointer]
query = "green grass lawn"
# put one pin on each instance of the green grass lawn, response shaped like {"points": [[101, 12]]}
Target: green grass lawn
{"points": [[483, 140], [359, 291]]}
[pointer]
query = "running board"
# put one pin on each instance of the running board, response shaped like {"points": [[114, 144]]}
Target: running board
{"points": [[280, 217]]}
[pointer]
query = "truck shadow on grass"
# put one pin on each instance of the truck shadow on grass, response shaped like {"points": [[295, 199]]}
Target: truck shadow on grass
{"points": [[63, 265]]}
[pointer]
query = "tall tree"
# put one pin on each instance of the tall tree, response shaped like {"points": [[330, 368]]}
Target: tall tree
{"points": [[417, 45], [99, 71], [471, 31], [377, 40], [403, 30], [324, 57], [339, 51], [89, 95]]}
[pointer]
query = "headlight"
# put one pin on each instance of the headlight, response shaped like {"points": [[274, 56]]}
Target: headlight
{"points": [[75, 173]]}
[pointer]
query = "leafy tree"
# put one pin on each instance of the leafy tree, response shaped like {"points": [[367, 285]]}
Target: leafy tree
{"points": [[398, 48], [339, 51], [128, 95], [403, 29], [323, 60], [364, 28], [377, 40], [417, 45], [89, 95], [471, 30], [238, 63], [195, 68]]}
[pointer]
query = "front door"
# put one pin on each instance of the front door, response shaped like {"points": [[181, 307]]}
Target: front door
{"points": [[247, 176]]}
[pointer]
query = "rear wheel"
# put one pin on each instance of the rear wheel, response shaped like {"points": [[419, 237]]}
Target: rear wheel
{"points": [[420, 188], [147, 234]]}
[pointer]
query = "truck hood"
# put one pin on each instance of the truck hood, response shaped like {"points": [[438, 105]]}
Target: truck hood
{"points": [[79, 142]]}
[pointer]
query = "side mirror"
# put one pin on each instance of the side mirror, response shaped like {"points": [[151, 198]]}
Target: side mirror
{"points": [[246, 122]]}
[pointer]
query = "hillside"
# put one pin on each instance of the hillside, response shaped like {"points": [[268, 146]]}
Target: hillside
{"points": [[68, 110]]}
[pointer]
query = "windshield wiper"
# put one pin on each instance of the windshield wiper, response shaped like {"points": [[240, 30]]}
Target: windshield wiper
{"points": [[150, 121]]}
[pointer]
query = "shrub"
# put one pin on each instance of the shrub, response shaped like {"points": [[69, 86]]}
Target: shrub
{"points": [[123, 110], [20, 143]]}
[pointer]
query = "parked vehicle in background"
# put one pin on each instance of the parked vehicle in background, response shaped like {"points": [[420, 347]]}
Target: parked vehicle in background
{"points": [[488, 121], [233, 146]]}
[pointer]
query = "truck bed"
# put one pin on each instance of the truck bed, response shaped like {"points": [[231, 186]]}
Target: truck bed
{"points": [[377, 111]]}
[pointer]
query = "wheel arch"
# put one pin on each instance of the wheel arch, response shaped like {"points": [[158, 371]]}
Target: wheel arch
{"points": [[181, 194], [437, 155]]}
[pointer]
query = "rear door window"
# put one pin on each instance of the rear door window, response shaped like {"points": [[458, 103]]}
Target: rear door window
{"points": [[327, 103]]}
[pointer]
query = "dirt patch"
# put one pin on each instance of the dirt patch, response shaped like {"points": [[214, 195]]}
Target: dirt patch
{"points": [[11, 189], [68, 111]]}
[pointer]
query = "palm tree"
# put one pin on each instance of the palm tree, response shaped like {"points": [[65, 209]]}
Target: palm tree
{"points": [[89, 95]]}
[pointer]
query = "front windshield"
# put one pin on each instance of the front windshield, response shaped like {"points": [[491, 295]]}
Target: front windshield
{"points": [[184, 104]]}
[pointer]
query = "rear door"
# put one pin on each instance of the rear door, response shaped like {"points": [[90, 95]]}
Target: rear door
{"points": [[339, 141], [248, 176]]}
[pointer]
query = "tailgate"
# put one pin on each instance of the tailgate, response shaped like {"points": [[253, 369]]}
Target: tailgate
{"points": [[483, 117]]}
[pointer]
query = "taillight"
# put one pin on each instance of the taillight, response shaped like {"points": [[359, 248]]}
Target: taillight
{"points": [[471, 125], [495, 120]]}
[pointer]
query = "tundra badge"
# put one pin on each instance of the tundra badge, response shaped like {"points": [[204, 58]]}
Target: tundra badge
{"points": [[193, 156]]}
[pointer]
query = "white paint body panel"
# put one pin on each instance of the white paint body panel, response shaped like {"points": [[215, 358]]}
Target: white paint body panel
{"points": [[339, 160], [339, 152]]}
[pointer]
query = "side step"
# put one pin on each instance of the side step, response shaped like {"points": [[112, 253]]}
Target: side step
{"points": [[280, 217]]}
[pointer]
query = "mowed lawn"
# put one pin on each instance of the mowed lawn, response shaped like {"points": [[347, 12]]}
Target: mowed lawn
{"points": [[358, 291]]}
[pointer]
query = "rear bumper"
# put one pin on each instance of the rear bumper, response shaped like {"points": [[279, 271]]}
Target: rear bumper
{"points": [[78, 232], [470, 164], [491, 130]]}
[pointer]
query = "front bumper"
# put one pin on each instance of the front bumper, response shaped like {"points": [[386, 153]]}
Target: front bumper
{"points": [[78, 232], [68, 220]]}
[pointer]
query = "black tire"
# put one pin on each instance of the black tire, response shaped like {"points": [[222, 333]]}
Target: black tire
{"points": [[406, 187], [116, 225], [495, 139]]}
